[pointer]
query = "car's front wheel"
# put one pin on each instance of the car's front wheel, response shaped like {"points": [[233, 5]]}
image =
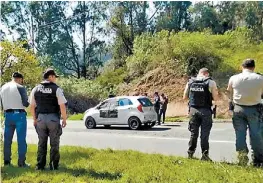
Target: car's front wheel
{"points": [[134, 123], [90, 123]]}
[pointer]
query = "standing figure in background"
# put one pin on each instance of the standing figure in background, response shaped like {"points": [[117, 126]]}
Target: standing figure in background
{"points": [[157, 105], [163, 106]]}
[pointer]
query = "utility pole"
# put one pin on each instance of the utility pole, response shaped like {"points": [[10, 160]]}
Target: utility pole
{"points": [[84, 39], [32, 33]]}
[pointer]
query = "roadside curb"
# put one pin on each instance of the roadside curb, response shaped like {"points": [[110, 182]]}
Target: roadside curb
{"points": [[186, 121]]}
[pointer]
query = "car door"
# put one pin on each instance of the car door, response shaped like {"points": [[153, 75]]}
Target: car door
{"points": [[103, 112], [124, 109], [113, 112]]}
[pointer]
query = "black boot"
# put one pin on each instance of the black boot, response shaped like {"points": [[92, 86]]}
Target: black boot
{"points": [[205, 157], [190, 155], [23, 164], [39, 168], [53, 166], [7, 163]]}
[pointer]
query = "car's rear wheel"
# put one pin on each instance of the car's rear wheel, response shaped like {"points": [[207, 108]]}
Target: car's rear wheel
{"points": [[107, 126], [90, 123], [134, 123]]}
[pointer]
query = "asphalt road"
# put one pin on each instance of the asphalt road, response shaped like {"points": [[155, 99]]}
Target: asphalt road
{"points": [[168, 139]]}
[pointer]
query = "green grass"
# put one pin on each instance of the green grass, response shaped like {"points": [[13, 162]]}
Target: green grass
{"points": [[91, 165], [76, 116], [176, 119]]}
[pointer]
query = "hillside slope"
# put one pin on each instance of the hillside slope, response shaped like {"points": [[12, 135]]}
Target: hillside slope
{"points": [[172, 85]]}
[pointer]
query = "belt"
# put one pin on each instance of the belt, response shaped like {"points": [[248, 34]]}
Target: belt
{"points": [[197, 107], [15, 110], [248, 105]]}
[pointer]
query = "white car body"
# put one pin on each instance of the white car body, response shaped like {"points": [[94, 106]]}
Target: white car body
{"points": [[118, 111]]}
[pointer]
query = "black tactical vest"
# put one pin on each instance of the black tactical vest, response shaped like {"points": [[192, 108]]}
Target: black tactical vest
{"points": [[199, 94], [46, 98]]}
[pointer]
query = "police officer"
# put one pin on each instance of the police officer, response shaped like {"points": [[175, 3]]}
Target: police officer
{"points": [[200, 91], [245, 91], [14, 100], [47, 104]]}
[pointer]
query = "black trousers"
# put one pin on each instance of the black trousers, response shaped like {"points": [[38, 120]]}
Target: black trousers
{"points": [[157, 110], [162, 113], [48, 125], [200, 117]]}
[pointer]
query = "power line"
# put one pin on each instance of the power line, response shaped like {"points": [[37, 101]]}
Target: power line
{"points": [[59, 21]]}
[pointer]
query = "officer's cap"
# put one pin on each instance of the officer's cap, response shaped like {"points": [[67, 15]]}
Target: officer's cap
{"points": [[248, 63], [49, 72], [17, 75]]}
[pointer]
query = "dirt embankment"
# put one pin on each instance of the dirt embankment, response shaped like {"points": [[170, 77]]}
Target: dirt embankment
{"points": [[172, 85]]}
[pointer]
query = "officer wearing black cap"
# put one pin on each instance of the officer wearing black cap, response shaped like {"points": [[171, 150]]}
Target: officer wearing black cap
{"points": [[245, 91], [47, 105], [200, 91], [14, 100]]}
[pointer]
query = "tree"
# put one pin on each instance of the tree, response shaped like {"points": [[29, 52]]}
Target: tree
{"points": [[174, 15], [55, 37], [87, 21], [16, 58], [16, 16], [129, 19], [254, 18], [206, 17]]}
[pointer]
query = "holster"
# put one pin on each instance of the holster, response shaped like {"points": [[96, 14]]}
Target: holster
{"points": [[231, 106]]}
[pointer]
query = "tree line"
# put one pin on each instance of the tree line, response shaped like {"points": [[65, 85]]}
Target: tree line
{"points": [[107, 30]]}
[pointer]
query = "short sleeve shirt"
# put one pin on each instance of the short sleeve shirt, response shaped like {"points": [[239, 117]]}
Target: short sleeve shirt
{"points": [[59, 93], [247, 88]]}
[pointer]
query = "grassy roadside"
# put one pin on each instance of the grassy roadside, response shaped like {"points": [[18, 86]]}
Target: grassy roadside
{"points": [[91, 165], [79, 117]]}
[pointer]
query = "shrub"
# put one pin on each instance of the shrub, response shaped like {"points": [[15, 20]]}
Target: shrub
{"points": [[81, 94], [111, 78], [187, 52]]}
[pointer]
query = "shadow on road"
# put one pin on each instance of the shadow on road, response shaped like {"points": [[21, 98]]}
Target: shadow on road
{"points": [[127, 128]]}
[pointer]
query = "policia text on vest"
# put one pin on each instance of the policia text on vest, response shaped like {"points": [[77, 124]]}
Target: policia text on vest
{"points": [[200, 91], [47, 105]]}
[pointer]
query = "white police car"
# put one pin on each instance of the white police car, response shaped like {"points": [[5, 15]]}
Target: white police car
{"points": [[133, 111]]}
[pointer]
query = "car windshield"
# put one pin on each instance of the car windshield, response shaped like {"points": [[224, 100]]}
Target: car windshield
{"points": [[145, 102]]}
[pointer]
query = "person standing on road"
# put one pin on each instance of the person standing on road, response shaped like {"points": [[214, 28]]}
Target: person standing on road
{"points": [[157, 106], [163, 106], [245, 91], [47, 104], [200, 91], [14, 100]]}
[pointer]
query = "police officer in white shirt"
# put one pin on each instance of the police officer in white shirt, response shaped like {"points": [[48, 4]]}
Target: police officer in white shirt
{"points": [[245, 90]]}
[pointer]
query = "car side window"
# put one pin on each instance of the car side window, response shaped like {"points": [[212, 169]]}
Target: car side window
{"points": [[125, 102], [104, 105]]}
